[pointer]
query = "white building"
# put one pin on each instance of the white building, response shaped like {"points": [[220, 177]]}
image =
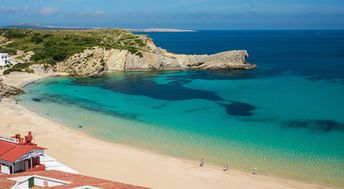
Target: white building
{"points": [[4, 59], [18, 154]]}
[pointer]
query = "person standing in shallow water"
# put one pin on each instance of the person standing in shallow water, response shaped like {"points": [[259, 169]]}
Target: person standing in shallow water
{"points": [[202, 163]]}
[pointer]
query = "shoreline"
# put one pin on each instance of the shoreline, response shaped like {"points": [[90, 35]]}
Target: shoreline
{"points": [[120, 162]]}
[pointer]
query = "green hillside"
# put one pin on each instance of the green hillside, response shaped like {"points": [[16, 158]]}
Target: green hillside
{"points": [[52, 46]]}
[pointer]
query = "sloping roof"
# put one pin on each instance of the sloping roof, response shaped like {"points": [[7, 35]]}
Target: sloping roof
{"points": [[6, 146], [75, 179], [11, 152]]}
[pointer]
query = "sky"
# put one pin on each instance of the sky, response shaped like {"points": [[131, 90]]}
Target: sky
{"points": [[183, 14]]}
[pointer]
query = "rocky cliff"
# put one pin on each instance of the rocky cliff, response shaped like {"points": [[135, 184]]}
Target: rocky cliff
{"points": [[97, 60]]}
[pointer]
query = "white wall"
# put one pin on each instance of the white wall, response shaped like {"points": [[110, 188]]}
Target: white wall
{"points": [[40, 182], [3, 60], [2, 63], [23, 182], [23, 185], [5, 169]]}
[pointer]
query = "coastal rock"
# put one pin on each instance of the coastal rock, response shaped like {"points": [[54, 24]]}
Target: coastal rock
{"points": [[96, 61], [22, 57], [42, 69], [8, 91], [88, 63], [224, 60]]}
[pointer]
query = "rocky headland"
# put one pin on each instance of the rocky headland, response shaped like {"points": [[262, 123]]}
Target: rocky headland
{"points": [[96, 61]]}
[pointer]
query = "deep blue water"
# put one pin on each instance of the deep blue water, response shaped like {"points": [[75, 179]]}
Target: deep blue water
{"points": [[316, 54], [286, 117]]}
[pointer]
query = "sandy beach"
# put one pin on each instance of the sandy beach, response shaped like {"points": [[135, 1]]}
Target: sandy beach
{"points": [[122, 163]]}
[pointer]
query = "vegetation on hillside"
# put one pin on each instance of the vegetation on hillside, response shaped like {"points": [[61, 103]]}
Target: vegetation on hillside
{"points": [[19, 68], [52, 46]]}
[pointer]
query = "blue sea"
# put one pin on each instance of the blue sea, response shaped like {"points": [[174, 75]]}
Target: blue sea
{"points": [[286, 117]]}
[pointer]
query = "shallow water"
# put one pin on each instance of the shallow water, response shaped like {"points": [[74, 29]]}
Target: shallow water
{"points": [[285, 118]]}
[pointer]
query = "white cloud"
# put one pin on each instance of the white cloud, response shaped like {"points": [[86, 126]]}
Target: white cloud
{"points": [[99, 12], [89, 14], [47, 10], [4, 9]]}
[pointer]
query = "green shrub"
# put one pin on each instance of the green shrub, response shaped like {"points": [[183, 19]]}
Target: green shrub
{"points": [[6, 72], [19, 68], [52, 46], [37, 38], [139, 54], [9, 50], [8, 65], [14, 33]]}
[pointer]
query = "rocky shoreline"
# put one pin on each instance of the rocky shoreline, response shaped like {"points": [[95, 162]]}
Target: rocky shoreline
{"points": [[7, 91]]}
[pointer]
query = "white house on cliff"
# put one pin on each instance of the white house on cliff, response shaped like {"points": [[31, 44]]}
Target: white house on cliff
{"points": [[4, 59]]}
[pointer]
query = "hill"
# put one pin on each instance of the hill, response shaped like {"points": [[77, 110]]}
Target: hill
{"points": [[52, 46]]}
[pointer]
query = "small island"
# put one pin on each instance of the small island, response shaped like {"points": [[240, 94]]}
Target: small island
{"points": [[161, 30]]}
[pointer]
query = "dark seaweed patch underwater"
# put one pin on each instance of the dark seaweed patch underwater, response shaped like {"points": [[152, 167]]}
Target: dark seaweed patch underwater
{"points": [[174, 90]]}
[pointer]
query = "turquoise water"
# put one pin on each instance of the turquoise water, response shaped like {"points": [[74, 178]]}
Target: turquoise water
{"points": [[286, 121]]}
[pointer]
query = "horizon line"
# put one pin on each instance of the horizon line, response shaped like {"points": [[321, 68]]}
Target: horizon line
{"points": [[181, 29]]}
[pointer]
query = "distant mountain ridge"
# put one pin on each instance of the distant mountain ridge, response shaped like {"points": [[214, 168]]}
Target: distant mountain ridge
{"points": [[40, 27], [47, 27]]}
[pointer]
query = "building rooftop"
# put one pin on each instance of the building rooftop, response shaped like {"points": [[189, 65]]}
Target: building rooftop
{"points": [[70, 180], [11, 149]]}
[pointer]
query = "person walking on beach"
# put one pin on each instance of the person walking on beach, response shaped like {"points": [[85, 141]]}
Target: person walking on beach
{"points": [[254, 172], [225, 168], [202, 163]]}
